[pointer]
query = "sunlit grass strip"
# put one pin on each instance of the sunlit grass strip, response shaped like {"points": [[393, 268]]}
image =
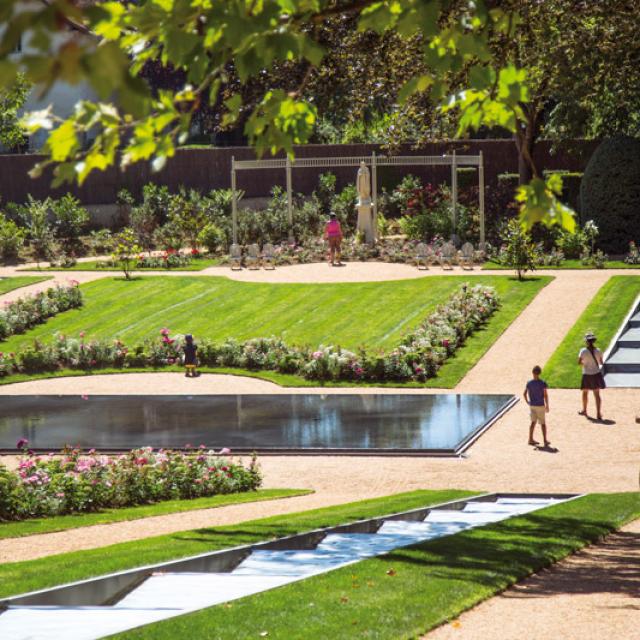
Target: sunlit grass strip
{"points": [[168, 507], [603, 316], [412, 590], [17, 282], [20, 577]]}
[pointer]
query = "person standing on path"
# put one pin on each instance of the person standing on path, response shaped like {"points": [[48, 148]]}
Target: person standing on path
{"points": [[333, 234], [536, 396], [590, 358]]}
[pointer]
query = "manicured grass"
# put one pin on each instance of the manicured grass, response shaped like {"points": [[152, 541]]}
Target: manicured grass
{"points": [[20, 577], [107, 516], [373, 314], [98, 265], [603, 316], [567, 264], [10, 284], [412, 590]]}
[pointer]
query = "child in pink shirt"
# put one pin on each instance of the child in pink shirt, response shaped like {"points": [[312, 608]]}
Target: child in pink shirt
{"points": [[333, 234]]}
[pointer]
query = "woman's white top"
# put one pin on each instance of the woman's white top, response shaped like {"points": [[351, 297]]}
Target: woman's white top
{"points": [[590, 365]]}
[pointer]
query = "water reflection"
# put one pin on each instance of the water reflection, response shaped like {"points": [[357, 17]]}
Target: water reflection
{"points": [[244, 421]]}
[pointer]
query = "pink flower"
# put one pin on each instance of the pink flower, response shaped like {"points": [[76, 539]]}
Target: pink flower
{"points": [[225, 451], [317, 355], [22, 443], [81, 334]]}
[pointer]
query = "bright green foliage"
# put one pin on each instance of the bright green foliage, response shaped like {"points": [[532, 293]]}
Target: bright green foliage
{"points": [[539, 202], [125, 250], [610, 192], [70, 220], [203, 39], [12, 99], [519, 251], [11, 239], [34, 217], [211, 237]]}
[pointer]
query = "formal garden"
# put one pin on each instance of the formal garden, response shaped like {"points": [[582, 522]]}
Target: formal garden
{"points": [[206, 431]]}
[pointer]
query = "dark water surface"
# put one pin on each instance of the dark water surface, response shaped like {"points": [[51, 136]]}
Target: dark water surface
{"points": [[246, 422]]}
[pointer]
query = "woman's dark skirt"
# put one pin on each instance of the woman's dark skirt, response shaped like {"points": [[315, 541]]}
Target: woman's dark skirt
{"points": [[594, 381]]}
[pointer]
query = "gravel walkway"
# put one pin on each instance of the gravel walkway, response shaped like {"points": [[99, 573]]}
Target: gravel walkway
{"points": [[592, 595]]}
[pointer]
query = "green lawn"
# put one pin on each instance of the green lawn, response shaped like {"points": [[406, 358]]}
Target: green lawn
{"points": [[10, 284], [107, 516], [603, 316], [373, 314], [20, 577], [98, 265], [409, 591], [567, 264]]}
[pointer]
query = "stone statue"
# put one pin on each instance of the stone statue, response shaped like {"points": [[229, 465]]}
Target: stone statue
{"points": [[366, 222], [363, 183]]}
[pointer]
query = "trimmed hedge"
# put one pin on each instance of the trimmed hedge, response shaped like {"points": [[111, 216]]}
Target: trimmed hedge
{"points": [[610, 193]]}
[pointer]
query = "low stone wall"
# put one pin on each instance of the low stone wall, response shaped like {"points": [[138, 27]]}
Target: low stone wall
{"points": [[207, 169]]}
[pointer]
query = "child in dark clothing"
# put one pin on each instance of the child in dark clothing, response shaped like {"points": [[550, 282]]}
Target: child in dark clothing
{"points": [[190, 349], [536, 396]]}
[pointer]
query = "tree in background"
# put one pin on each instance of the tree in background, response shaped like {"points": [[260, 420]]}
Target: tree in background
{"points": [[12, 100], [205, 39]]}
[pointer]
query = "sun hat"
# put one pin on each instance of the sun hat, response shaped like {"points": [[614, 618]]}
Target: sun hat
{"points": [[332, 215], [589, 336]]}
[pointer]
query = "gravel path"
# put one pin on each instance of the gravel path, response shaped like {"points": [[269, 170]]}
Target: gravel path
{"points": [[592, 595]]}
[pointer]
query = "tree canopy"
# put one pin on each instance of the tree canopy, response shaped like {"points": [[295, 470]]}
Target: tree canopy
{"points": [[108, 44]]}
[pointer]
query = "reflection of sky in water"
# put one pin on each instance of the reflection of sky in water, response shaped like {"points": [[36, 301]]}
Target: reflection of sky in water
{"points": [[298, 421]]}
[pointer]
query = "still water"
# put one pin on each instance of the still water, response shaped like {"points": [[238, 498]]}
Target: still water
{"points": [[246, 422]]}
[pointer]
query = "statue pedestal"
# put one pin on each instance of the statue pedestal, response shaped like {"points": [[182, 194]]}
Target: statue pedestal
{"points": [[366, 223]]}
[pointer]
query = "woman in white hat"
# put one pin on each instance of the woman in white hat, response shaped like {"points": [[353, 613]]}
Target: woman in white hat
{"points": [[590, 358]]}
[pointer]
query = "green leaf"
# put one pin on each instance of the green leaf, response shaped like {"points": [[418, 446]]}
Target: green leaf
{"points": [[63, 142]]}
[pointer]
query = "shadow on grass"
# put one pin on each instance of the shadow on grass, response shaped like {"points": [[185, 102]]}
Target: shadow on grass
{"points": [[499, 555]]}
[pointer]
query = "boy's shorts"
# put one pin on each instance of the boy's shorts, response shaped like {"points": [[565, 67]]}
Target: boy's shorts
{"points": [[538, 414]]}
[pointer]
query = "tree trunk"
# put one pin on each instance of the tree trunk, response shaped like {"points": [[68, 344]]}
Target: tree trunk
{"points": [[526, 137]]}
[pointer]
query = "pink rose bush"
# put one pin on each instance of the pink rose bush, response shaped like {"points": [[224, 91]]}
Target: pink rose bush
{"points": [[31, 310], [418, 356], [72, 482]]}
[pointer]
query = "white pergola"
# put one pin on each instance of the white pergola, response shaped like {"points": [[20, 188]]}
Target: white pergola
{"points": [[373, 162]]}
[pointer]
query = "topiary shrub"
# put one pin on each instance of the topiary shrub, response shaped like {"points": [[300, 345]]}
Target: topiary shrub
{"points": [[610, 193]]}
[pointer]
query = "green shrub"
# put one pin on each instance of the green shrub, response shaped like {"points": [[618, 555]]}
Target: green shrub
{"points": [[571, 244], [34, 216], [211, 237], [11, 239], [519, 251], [610, 192], [70, 220]]}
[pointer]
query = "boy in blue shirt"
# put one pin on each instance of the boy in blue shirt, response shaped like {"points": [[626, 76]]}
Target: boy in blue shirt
{"points": [[536, 396]]}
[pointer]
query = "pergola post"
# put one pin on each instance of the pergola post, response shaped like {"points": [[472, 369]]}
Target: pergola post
{"points": [[374, 193], [481, 198], [234, 203], [454, 192], [289, 199]]}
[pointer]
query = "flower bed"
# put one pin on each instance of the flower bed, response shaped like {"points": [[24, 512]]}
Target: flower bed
{"points": [[72, 482], [169, 259], [418, 356], [26, 312], [386, 250]]}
